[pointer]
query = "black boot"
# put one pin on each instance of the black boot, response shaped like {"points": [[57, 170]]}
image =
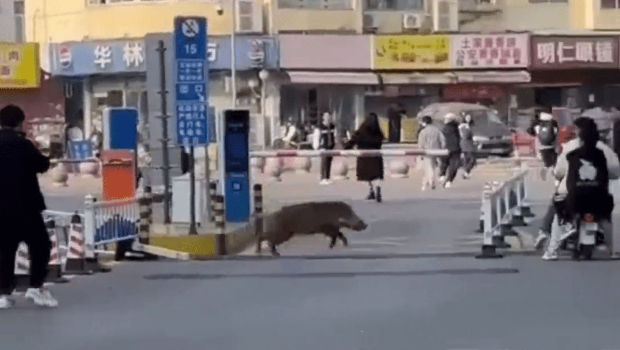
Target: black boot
{"points": [[379, 198]]}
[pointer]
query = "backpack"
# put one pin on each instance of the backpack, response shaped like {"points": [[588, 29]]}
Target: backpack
{"points": [[587, 182], [546, 133]]}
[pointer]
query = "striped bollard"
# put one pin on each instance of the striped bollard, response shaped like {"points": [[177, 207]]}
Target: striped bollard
{"points": [[54, 273], [146, 215], [220, 223], [212, 194], [76, 256], [258, 207]]}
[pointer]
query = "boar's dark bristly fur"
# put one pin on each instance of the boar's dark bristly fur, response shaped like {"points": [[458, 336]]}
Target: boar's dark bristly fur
{"points": [[308, 218]]}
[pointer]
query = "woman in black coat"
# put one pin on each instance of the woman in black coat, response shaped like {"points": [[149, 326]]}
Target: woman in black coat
{"points": [[369, 136]]}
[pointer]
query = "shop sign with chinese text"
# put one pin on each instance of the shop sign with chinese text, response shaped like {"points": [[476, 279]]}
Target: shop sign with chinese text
{"points": [[19, 66], [570, 52], [409, 52], [490, 51], [87, 58]]}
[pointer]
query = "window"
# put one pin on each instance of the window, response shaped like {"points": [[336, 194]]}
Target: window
{"points": [[316, 4], [18, 7], [610, 4], [398, 5]]}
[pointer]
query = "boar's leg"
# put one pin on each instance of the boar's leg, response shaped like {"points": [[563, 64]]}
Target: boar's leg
{"points": [[344, 240], [332, 232], [259, 243], [274, 251]]}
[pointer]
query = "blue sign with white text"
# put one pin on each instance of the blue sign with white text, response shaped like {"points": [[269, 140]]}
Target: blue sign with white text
{"points": [[237, 165], [190, 42], [81, 150], [121, 128]]}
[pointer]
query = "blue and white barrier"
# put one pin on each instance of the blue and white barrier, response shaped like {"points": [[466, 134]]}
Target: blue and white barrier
{"points": [[110, 221], [504, 205]]}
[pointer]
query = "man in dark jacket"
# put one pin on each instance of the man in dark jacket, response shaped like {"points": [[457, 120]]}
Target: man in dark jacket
{"points": [[452, 162], [21, 205]]}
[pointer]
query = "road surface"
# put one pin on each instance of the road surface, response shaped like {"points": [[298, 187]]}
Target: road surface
{"points": [[517, 303]]}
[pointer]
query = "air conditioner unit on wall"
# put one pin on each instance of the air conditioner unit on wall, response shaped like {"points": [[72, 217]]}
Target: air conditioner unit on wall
{"points": [[370, 22], [445, 15], [412, 20]]}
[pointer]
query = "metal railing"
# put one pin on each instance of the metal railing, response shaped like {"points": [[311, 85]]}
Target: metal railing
{"points": [[504, 205], [110, 221]]}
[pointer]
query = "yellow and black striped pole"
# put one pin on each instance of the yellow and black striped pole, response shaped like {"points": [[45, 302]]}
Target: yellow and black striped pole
{"points": [[220, 223]]}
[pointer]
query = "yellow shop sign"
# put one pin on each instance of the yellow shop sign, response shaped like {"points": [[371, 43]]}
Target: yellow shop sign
{"points": [[19, 66], [411, 52]]}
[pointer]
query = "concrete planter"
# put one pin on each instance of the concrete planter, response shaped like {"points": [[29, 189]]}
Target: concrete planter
{"points": [[340, 169], [258, 164], [89, 169], [60, 175], [273, 169], [302, 164], [399, 169]]}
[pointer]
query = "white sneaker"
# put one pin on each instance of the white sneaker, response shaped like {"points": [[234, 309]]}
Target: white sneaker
{"points": [[41, 297], [6, 302], [442, 179], [466, 176], [423, 188], [448, 185], [541, 239], [550, 256]]}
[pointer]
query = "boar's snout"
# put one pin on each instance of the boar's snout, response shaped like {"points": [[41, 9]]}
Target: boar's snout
{"points": [[360, 225]]}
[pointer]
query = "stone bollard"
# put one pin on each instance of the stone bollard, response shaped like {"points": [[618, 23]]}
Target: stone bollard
{"points": [[60, 175], [399, 168], [340, 169], [302, 165], [258, 163], [89, 169], [273, 169]]}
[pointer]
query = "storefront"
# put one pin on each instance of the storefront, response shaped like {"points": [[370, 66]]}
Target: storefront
{"points": [[22, 83], [324, 73], [487, 69], [412, 70], [574, 71], [100, 74]]}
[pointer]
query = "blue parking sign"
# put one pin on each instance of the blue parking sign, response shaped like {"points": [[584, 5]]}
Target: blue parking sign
{"points": [[192, 76]]}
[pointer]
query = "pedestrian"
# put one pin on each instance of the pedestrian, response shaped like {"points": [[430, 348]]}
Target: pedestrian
{"points": [[430, 138], [325, 139], [369, 136], [451, 163], [467, 145], [547, 133], [21, 206]]}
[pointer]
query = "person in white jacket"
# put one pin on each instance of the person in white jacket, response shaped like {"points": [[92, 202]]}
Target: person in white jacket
{"points": [[586, 129]]}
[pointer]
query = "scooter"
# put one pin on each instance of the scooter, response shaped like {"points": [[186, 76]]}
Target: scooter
{"points": [[588, 235]]}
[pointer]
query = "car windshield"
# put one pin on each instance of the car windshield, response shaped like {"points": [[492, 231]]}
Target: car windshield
{"points": [[484, 117]]}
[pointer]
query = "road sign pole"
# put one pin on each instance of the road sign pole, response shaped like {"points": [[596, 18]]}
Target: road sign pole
{"points": [[192, 193], [208, 182], [192, 95], [164, 132]]}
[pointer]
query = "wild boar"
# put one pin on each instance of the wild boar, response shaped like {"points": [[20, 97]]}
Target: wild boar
{"points": [[307, 218]]}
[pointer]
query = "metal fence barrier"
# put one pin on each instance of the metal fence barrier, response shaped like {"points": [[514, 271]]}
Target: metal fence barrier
{"points": [[504, 206]]}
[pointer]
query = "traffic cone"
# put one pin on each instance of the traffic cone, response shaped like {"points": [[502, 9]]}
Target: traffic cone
{"points": [[54, 273], [76, 256]]}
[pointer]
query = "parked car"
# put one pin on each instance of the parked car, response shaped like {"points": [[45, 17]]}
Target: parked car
{"points": [[491, 135]]}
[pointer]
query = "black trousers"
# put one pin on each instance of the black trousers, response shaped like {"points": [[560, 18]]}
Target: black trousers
{"points": [[469, 161], [326, 167], [31, 230], [450, 166]]}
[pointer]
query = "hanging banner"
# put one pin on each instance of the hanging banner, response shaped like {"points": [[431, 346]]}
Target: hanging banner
{"points": [[409, 52]]}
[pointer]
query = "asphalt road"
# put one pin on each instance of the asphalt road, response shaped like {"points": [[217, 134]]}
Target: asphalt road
{"points": [[517, 303]]}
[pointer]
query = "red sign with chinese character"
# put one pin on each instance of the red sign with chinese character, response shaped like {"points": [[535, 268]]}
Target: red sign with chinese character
{"points": [[490, 51], [571, 52]]}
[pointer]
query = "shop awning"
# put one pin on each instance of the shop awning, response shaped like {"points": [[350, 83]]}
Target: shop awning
{"points": [[493, 77], [418, 78], [348, 78]]}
